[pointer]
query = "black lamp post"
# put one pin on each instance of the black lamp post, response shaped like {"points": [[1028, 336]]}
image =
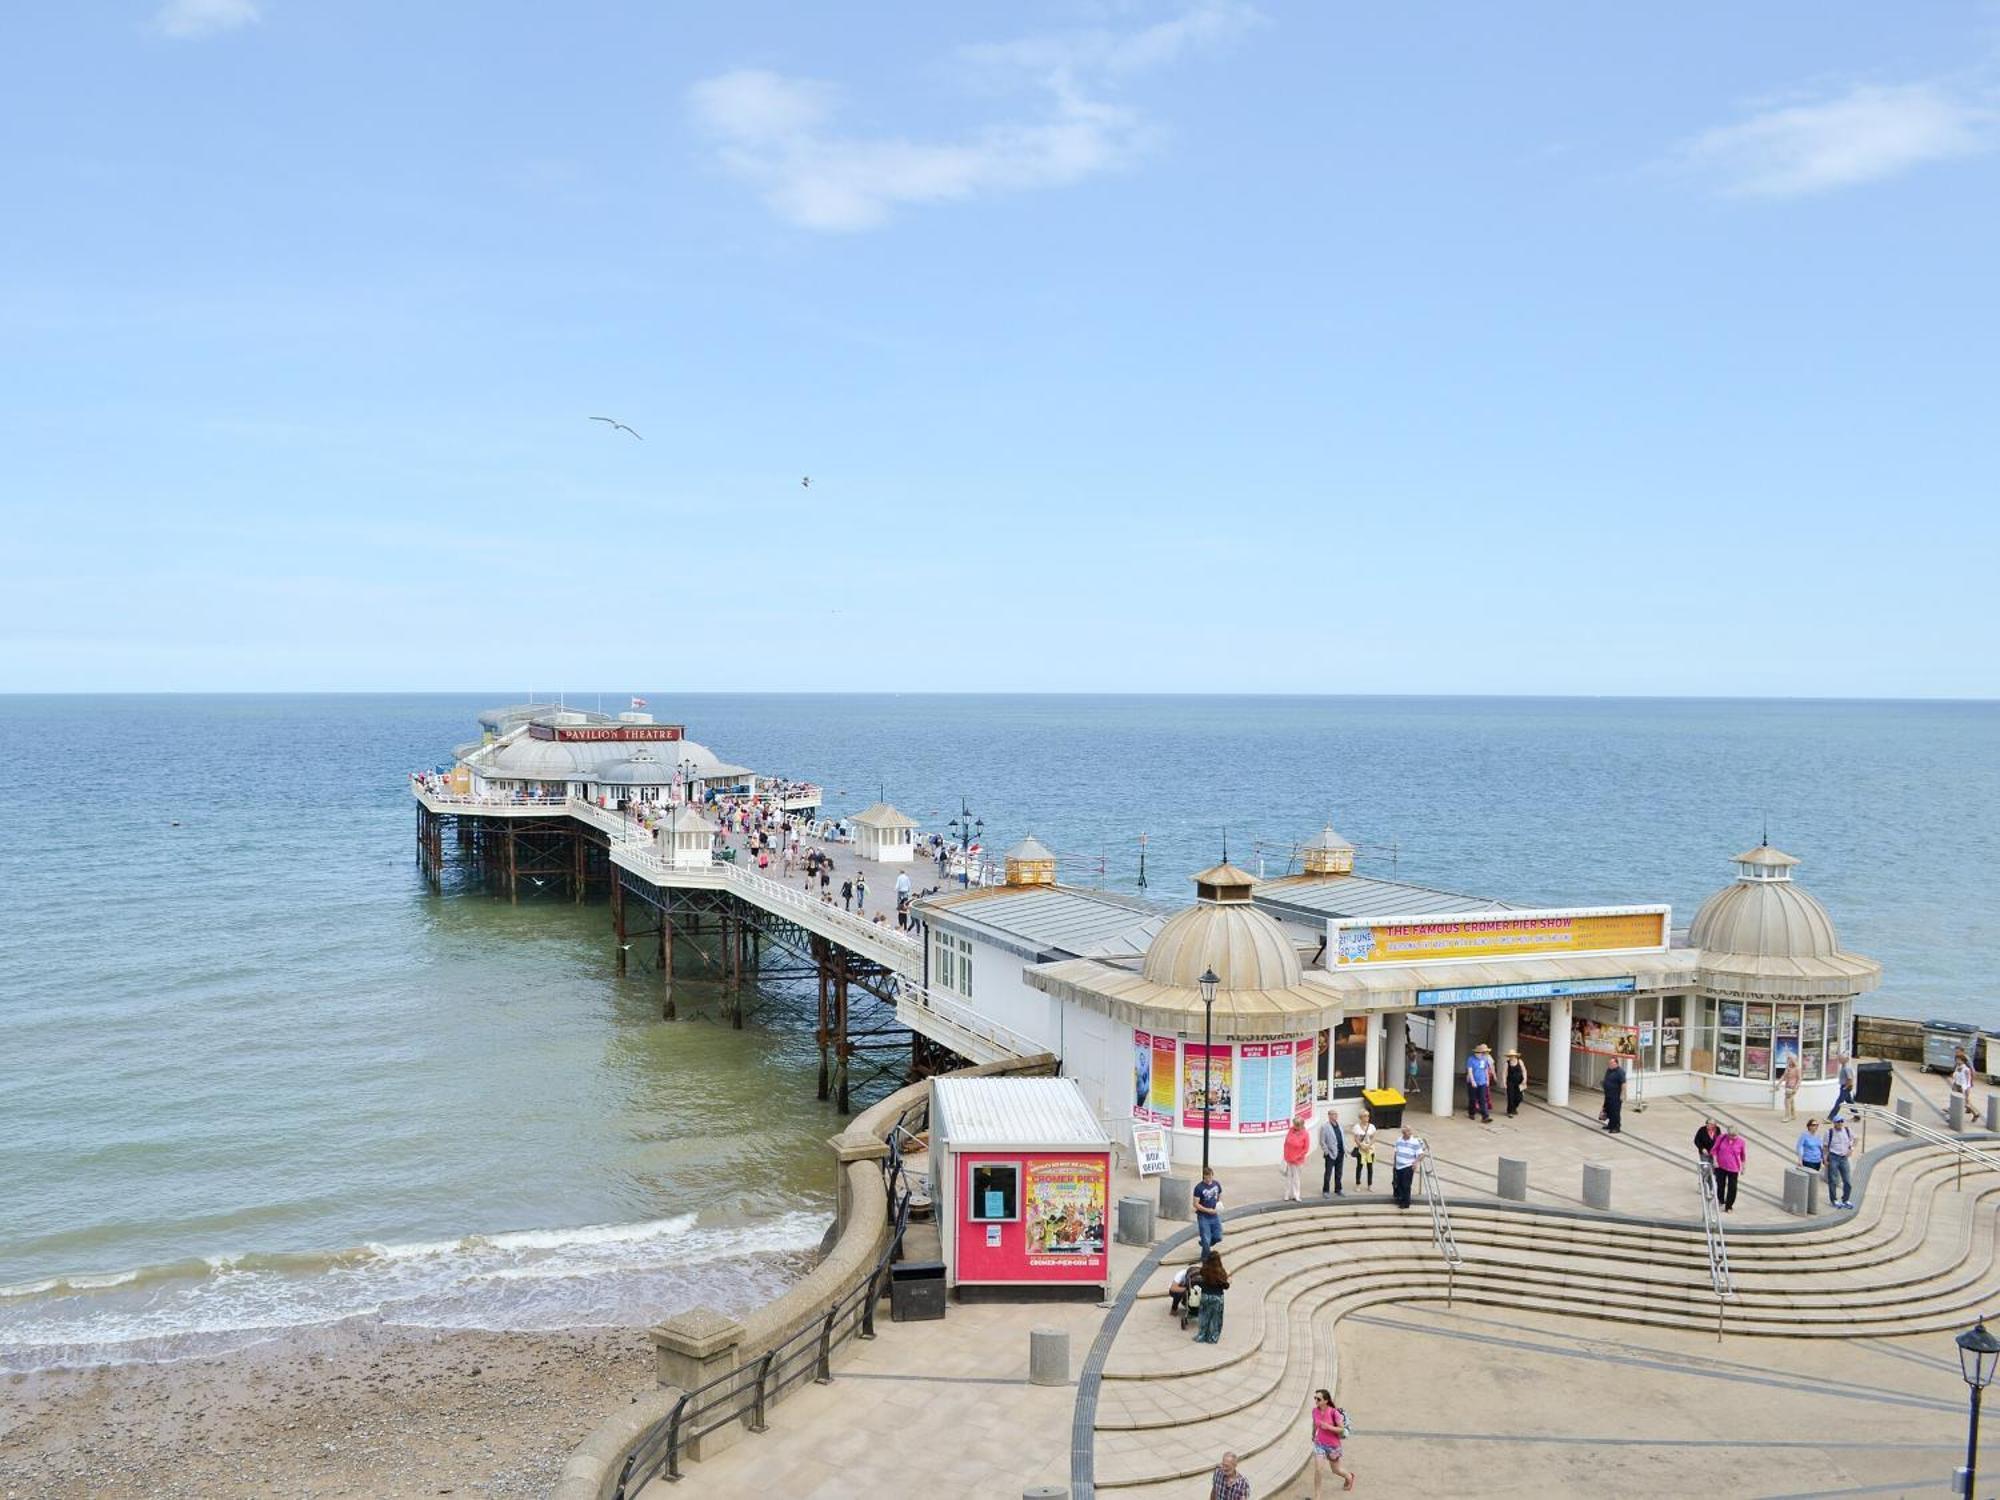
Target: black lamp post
{"points": [[1978, 1358], [1208, 982], [963, 825]]}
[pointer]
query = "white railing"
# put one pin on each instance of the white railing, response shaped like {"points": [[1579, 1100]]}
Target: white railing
{"points": [[907, 950], [1441, 1236], [921, 1009], [1719, 1277], [1930, 1135]]}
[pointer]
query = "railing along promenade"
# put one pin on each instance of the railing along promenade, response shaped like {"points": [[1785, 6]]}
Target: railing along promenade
{"points": [[1442, 1238], [720, 1377]]}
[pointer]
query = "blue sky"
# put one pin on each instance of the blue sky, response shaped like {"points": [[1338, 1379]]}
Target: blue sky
{"points": [[1333, 348]]}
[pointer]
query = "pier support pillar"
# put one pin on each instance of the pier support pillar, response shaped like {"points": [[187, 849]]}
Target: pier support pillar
{"points": [[618, 919], [822, 1034], [513, 868], [1558, 1085], [1444, 1058], [840, 1047], [668, 1010]]}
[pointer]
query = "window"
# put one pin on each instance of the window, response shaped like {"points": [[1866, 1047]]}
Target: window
{"points": [[996, 1192], [951, 963], [965, 967]]}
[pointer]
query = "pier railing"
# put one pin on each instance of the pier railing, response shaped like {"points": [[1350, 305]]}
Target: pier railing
{"points": [[1719, 1277], [908, 951], [972, 1036], [1441, 1236]]}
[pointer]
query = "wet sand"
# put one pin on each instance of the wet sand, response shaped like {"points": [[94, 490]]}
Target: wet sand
{"points": [[352, 1411]]}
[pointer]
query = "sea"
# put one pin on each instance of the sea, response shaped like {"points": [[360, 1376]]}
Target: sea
{"points": [[256, 1077]]}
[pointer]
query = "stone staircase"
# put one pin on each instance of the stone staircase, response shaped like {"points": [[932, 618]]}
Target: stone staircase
{"points": [[1919, 1256]]}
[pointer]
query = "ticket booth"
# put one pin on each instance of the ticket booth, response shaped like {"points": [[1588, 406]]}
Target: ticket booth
{"points": [[1021, 1176]]}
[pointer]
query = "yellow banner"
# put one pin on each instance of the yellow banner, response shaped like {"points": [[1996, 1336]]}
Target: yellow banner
{"points": [[1499, 937]]}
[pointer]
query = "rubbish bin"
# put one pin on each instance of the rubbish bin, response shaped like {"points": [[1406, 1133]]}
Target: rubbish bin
{"points": [[1385, 1107], [1871, 1083], [916, 1291], [1942, 1042]]}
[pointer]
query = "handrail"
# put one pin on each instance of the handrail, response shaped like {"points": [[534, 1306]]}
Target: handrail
{"points": [[1441, 1235], [753, 1387], [907, 947], [957, 1013], [1719, 1277], [1930, 1135]]}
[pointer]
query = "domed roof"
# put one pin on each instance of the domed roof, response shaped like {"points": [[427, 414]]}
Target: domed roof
{"points": [[1763, 914], [643, 769], [1222, 931], [531, 759]]}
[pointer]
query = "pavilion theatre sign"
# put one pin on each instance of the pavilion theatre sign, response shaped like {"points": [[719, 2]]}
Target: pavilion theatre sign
{"points": [[1484, 937], [654, 733]]}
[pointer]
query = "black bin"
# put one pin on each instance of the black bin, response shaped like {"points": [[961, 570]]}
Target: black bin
{"points": [[916, 1291], [1871, 1083]]}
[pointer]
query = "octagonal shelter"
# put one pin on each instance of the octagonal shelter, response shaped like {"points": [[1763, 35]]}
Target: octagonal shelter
{"points": [[883, 834]]}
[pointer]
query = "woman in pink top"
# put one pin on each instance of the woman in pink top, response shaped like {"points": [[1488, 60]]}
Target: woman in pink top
{"points": [[1728, 1154], [1297, 1143], [1329, 1433]]}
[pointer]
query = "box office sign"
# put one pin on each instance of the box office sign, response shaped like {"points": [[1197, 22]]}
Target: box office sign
{"points": [[1409, 940]]}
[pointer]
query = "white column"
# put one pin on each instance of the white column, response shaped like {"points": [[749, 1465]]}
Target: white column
{"points": [[1558, 1080], [1510, 1029], [1399, 1049], [1444, 1059], [1371, 1067]]}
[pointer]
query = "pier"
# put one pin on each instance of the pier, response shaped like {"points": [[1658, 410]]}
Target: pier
{"points": [[683, 894]]}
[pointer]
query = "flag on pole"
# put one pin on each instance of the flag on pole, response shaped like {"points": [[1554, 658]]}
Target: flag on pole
{"points": [[638, 702]]}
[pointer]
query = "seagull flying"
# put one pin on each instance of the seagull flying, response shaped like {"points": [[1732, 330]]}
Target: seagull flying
{"points": [[806, 483], [617, 425]]}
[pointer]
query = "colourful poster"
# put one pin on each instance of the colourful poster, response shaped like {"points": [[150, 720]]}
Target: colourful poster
{"points": [[1165, 1061], [1305, 1069], [1420, 939], [1065, 1211], [1607, 1038], [1142, 1075], [1253, 1086], [1206, 1073], [1535, 1022]]}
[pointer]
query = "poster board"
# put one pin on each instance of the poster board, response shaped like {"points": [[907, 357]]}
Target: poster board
{"points": [[1152, 1149]]}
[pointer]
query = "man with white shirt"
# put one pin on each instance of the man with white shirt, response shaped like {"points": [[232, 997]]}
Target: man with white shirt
{"points": [[1409, 1151]]}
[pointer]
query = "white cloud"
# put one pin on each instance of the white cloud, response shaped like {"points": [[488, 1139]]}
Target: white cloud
{"points": [[778, 134], [192, 18], [1870, 132]]}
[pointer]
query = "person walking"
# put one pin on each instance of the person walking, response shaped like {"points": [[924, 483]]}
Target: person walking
{"points": [[1409, 1151], [1479, 1084], [903, 898], [1364, 1152], [1728, 1153], [1517, 1081], [1228, 1482], [1844, 1072], [1811, 1149], [847, 895], [1329, 1429], [1839, 1147], [1333, 1152], [1793, 1078], [1214, 1282], [1208, 1210], [1614, 1095], [861, 894], [1705, 1136], [1961, 1080], [1297, 1143]]}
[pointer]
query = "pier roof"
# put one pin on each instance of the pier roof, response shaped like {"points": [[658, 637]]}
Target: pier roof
{"points": [[1040, 922], [882, 815], [1313, 899], [981, 1113]]}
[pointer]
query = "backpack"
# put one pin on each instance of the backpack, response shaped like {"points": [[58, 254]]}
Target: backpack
{"points": [[1194, 1294]]}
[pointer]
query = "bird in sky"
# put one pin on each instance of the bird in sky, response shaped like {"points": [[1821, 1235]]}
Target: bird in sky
{"points": [[617, 426], [806, 483]]}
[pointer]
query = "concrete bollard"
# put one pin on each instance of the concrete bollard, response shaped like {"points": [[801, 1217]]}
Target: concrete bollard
{"points": [[1513, 1178], [1046, 1492], [1801, 1191], [1956, 1115], [1048, 1356], [1176, 1197], [1596, 1184], [1135, 1220], [1993, 1112], [1905, 1112]]}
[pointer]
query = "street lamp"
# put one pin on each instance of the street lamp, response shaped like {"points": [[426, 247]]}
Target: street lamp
{"points": [[1978, 1358], [964, 826], [1208, 982]]}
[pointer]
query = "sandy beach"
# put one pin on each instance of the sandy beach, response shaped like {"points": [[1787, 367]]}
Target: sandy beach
{"points": [[358, 1410]]}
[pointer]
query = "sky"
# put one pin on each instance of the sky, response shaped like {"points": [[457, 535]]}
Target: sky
{"points": [[1206, 346]]}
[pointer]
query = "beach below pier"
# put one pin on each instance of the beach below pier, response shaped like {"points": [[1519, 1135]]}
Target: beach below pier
{"points": [[354, 1410]]}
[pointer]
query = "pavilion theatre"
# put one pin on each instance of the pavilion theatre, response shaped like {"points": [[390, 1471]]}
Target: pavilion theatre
{"points": [[1327, 982]]}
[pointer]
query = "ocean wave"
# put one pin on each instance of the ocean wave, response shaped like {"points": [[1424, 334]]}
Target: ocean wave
{"points": [[596, 1275]]}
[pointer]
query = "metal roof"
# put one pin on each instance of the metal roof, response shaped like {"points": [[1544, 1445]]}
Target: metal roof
{"points": [[1043, 921], [882, 815], [976, 1114], [1314, 898]]}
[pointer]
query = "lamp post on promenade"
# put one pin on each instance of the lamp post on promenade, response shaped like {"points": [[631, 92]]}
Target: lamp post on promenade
{"points": [[1978, 1358], [964, 825], [1208, 982]]}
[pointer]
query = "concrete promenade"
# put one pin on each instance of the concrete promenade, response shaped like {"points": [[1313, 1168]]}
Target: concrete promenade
{"points": [[1437, 1394]]}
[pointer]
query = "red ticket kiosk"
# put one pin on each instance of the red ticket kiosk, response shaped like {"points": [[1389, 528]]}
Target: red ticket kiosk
{"points": [[1021, 1176]]}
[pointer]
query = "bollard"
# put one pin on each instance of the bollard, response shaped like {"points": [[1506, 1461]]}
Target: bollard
{"points": [[1176, 1197], [1905, 1112], [1048, 1356], [1514, 1178], [1135, 1220], [1046, 1492], [1596, 1184], [1993, 1112], [1957, 1113], [1801, 1191]]}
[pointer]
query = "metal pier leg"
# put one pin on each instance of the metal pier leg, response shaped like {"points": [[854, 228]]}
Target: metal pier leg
{"points": [[667, 1011], [513, 868], [578, 850], [819, 958], [840, 1047], [618, 918]]}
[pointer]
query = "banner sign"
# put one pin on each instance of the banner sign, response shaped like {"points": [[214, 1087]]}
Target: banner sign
{"points": [[1065, 1211], [1149, 1145], [1153, 1077], [598, 733], [1407, 940], [1491, 994]]}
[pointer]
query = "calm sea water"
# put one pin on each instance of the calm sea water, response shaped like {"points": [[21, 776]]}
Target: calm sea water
{"points": [[254, 1075]]}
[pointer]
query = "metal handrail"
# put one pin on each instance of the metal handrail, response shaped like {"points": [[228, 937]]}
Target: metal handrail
{"points": [[746, 1393], [1441, 1235], [1930, 1135], [784, 895], [958, 1014], [1719, 1277]]}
